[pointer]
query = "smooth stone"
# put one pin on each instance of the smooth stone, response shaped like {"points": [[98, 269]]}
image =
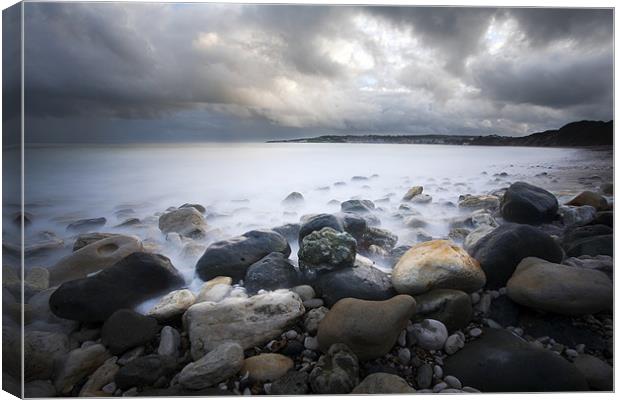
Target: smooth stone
{"points": [[560, 288], [127, 283], [131, 355], [126, 329], [577, 216], [528, 204], [274, 271], [474, 236], [232, 257], [169, 342], [437, 264], [412, 192], [313, 318], [424, 376], [326, 250], [172, 305], [500, 251], [77, 365], [292, 383], [97, 256], [601, 263], [452, 307], [305, 292], [267, 367], [478, 202], [359, 282], [369, 328], [354, 224], [336, 372], [144, 371], [381, 383], [214, 293], [604, 218], [382, 238], [453, 344], [83, 225], [41, 349], [219, 364], [37, 389], [499, 361], [250, 322], [185, 221], [311, 343], [588, 198], [104, 375], [598, 373], [430, 334]]}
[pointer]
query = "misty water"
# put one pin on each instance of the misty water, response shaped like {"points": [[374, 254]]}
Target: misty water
{"points": [[243, 185]]}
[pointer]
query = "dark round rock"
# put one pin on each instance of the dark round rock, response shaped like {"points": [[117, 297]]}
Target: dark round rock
{"points": [[604, 218], [528, 204], [504, 311], [317, 222], [132, 280], [452, 307], [359, 282], [232, 257], [502, 250], [274, 271], [289, 231], [501, 362], [126, 329], [144, 371], [353, 224], [293, 348], [591, 246]]}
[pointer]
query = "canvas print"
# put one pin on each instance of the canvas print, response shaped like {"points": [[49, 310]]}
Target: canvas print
{"points": [[209, 199]]}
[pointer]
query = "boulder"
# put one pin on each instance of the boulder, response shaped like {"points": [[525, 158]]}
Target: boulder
{"points": [[437, 264], [452, 307], [250, 322], [561, 289], [336, 372], [186, 221], [266, 367], [598, 373], [84, 225], [588, 198], [126, 329], [216, 366], [360, 282], [382, 383], [500, 251], [355, 224], [77, 365], [316, 222], [274, 271], [528, 204], [91, 258], [326, 250], [501, 362], [144, 371], [478, 202], [411, 193], [172, 305], [232, 257], [127, 283], [369, 328]]}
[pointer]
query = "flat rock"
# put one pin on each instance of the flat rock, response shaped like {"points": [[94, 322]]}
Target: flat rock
{"points": [[232, 257], [219, 364], [369, 328], [127, 283], [452, 307], [500, 251], [437, 264], [267, 367], [126, 329], [562, 289], [499, 361], [248, 321], [382, 383]]}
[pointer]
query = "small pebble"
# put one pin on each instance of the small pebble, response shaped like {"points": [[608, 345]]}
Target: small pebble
{"points": [[494, 294], [313, 303], [476, 332], [518, 331], [572, 353], [402, 338], [311, 343], [437, 371], [503, 291], [581, 348], [439, 387], [291, 334], [453, 382], [110, 388], [404, 356]]}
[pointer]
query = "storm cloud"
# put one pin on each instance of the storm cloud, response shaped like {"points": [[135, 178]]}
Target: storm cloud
{"points": [[140, 72]]}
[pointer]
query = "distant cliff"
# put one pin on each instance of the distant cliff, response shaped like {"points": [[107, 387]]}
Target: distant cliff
{"points": [[574, 134]]}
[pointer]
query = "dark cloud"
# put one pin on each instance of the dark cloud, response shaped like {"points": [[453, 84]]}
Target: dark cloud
{"points": [[214, 71]]}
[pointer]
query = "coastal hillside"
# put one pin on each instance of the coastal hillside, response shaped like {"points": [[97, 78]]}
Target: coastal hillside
{"points": [[574, 134]]}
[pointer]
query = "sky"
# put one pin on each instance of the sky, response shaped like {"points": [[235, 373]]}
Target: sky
{"points": [[110, 72]]}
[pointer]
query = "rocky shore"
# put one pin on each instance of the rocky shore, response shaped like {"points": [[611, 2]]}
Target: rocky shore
{"points": [[517, 297]]}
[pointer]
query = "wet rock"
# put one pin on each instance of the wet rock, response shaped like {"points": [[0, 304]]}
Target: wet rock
{"points": [[500, 251], [588, 198], [305, 292], [144, 371], [274, 271], [528, 204], [91, 258], [126, 329], [369, 328], [451, 307], [424, 376], [411, 193], [232, 257], [249, 322], [598, 373], [292, 383], [127, 283], [77, 365], [474, 236], [453, 344], [172, 305], [380, 383], [336, 372], [560, 288], [84, 225], [604, 218], [360, 282], [437, 264], [591, 246], [421, 199], [354, 224], [430, 334], [267, 367], [326, 250], [216, 366], [186, 221], [499, 361]]}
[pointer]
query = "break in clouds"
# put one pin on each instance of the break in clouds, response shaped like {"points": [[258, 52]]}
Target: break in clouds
{"points": [[106, 71]]}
